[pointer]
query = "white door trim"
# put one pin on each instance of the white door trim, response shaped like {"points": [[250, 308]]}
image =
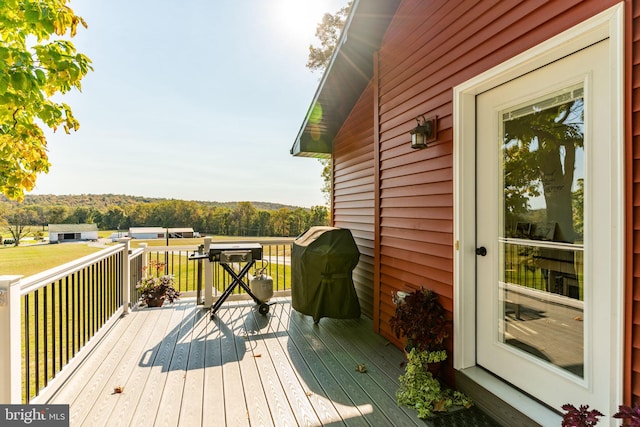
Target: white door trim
{"points": [[608, 24]]}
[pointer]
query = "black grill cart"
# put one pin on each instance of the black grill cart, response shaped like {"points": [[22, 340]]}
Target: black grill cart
{"points": [[228, 254]]}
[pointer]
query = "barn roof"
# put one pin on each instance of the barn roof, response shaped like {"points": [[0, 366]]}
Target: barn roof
{"points": [[181, 230], [71, 228], [344, 80], [147, 230]]}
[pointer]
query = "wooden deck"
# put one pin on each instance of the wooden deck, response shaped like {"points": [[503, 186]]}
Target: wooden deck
{"points": [[176, 367]]}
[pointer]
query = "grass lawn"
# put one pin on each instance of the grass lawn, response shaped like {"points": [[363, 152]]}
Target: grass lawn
{"points": [[31, 259], [28, 260]]}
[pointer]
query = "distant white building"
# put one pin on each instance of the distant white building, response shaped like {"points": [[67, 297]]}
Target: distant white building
{"points": [[184, 232], [147, 233], [59, 233], [160, 233]]}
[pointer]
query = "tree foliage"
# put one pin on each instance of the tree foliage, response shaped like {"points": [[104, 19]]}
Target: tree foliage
{"points": [[233, 219], [17, 223], [328, 32], [36, 63], [327, 178]]}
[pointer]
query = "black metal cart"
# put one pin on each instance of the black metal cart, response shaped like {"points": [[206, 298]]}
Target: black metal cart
{"points": [[226, 254]]}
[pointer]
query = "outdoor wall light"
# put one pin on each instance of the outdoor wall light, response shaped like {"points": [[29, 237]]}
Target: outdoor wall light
{"points": [[425, 132]]}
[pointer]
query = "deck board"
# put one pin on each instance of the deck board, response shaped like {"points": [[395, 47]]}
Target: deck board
{"points": [[296, 393], [260, 331], [213, 393], [192, 399], [122, 367], [157, 360], [384, 363], [168, 412], [179, 367], [153, 327], [236, 412], [327, 380], [374, 392]]}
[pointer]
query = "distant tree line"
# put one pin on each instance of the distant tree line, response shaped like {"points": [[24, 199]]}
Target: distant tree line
{"points": [[237, 219]]}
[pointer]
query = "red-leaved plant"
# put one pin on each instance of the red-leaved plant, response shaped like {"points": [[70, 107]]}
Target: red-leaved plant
{"points": [[421, 319], [582, 417], [630, 414], [159, 287]]}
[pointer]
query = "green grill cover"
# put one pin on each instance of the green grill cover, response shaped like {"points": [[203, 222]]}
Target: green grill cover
{"points": [[322, 260]]}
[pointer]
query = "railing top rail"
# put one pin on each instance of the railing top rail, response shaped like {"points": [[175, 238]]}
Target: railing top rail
{"points": [[135, 252], [262, 241], [170, 248], [41, 279]]}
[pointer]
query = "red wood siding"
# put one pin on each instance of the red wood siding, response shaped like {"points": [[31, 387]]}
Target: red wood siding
{"points": [[430, 47], [353, 191], [632, 362]]}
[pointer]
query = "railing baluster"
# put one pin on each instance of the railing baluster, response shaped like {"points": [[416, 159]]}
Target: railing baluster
{"points": [[76, 315], [105, 285], [45, 343], [94, 299], [100, 280], [81, 312], [61, 323], [85, 291], [36, 333], [53, 326], [67, 320], [27, 348]]}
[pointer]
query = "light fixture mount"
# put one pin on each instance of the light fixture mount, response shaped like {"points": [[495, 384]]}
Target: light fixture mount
{"points": [[425, 132]]}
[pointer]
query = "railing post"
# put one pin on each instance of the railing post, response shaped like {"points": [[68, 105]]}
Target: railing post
{"points": [[126, 277], [10, 340], [145, 258], [208, 276]]}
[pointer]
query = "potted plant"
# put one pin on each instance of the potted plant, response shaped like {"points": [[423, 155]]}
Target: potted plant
{"points": [[424, 393], [155, 290], [631, 415], [420, 319]]}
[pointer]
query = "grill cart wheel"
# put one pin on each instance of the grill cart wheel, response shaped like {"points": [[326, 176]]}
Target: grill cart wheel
{"points": [[263, 309]]}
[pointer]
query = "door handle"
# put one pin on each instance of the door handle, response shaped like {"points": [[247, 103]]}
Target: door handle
{"points": [[482, 251]]}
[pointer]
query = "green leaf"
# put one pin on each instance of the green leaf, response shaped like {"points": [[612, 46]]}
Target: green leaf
{"points": [[19, 81], [4, 84], [41, 76], [32, 15]]}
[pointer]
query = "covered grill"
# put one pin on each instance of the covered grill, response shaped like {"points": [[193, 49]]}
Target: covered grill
{"points": [[322, 260]]}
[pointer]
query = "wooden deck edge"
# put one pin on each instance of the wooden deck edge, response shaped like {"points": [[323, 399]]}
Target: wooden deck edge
{"points": [[496, 408]]}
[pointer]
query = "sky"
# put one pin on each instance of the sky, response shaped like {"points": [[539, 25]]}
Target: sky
{"points": [[191, 100]]}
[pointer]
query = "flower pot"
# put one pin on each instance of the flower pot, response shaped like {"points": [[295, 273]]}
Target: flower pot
{"points": [[154, 302]]}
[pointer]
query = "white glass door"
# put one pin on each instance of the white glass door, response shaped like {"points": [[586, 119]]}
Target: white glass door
{"points": [[540, 305]]}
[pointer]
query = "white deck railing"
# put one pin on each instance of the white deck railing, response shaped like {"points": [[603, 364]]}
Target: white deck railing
{"points": [[47, 319]]}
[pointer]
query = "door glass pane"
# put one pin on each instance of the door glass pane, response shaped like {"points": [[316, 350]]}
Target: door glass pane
{"points": [[541, 225]]}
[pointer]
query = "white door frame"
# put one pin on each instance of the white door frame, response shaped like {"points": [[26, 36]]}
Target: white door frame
{"points": [[608, 24]]}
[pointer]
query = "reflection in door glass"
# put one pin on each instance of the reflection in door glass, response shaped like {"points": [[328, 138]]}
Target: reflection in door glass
{"points": [[541, 243]]}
